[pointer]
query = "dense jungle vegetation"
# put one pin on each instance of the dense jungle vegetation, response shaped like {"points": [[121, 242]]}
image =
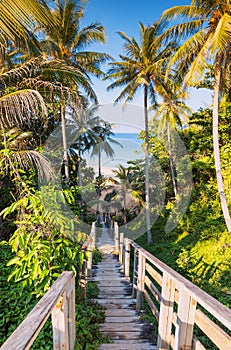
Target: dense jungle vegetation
{"points": [[46, 65]]}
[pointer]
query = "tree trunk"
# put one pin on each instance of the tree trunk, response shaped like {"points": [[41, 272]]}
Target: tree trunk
{"points": [[125, 208], [65, 156], [147, 192], [171, 160], [216, 150], [99, 163], [79, 166], [99, 178]]}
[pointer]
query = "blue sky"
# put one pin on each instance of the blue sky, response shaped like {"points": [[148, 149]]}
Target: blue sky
{"points": [[124, 15]]}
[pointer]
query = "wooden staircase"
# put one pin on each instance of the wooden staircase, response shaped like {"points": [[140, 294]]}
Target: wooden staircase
{"points": [[123, 325], [178, 303]]}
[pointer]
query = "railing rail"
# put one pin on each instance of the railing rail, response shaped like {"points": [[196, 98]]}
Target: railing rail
{"points": [[59, 302], [175, 302], [87, 250]]}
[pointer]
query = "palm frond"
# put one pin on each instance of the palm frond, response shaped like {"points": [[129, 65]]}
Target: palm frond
{"points": [[19, 106], [94, 32]]}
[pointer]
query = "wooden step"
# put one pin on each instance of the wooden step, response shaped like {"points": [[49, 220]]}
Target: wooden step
{"points": [[119, 303], [120, 313], [124, 319], [115, 335], [129, 346], [122, 325]]}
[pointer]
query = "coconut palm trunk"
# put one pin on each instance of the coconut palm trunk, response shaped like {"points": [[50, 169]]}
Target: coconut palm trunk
{"points": [[171, 160], [99, 164], [125, 207], [79, 166], [65, 155], [216, 150], [147, 191]]}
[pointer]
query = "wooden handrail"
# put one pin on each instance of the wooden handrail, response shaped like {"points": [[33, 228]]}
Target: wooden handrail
{"points": [[58, 301], [86, 270], [174, 302]]}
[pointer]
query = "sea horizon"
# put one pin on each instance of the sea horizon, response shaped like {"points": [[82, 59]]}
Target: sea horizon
{"points": [[131, 150]]}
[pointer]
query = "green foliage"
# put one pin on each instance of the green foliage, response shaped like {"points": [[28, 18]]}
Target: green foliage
{"points": [[45, 242], [16, 303], [199, 247], [88, 317], [97, 256]]}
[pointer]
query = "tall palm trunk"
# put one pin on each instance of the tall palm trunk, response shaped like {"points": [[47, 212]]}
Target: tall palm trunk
{"points": [[216, 150], [99, 156], [125, 208], [65, 156], [99, 178], [147, 192], [79, 166], [171, 159]]}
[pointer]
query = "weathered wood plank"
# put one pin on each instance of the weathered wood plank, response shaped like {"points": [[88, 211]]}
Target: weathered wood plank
{"points": [[121, 327], [109, 296], [121, 245], [140, 281], [60, 324], [117, 303], [119, 312], [217, 309], [152, 306], [157, 276], [116, 232], [71, 313], [121, 318], [127, 258], [111, 284], [197, 344], [23, 337], [185, 321], [155, 292], [129, 346], [122, 335], [166, 310], [221, 339]]}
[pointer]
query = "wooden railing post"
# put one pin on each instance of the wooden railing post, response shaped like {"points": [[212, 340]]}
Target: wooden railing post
{"points": [[58, 300], [185, 322], [116, 231], [83, 277], [71, 313], [140, 281], [166, 311], [121, 245], [63, 319], [127, 258], [91, 248], [135, 265], [60, 324]]}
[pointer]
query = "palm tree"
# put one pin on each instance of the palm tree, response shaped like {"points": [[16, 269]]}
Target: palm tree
{"points": [[207, 30], [19, 17], [142, 68], [123, 188], [121, 181], [86, 138], [103, 141], [51, 81], [169, 115], [17, 153], [67, 40]]}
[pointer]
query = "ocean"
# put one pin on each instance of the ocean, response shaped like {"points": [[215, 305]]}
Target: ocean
{"points": [[130, 149]]}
